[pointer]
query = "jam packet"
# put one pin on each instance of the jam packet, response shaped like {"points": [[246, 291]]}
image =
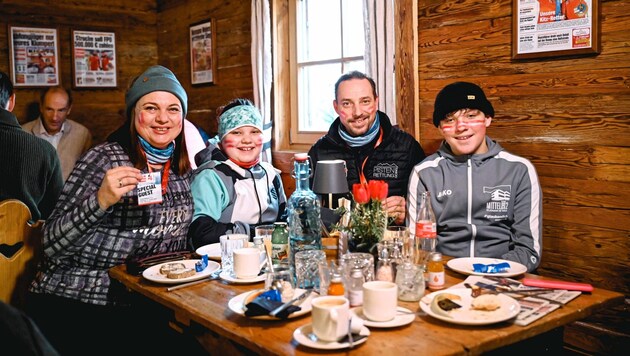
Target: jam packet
{"points": [[491, 268], [202, 263]]}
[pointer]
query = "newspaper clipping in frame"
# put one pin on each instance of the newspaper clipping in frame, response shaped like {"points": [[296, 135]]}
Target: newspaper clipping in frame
{"points": [[201, 58], [94, 56], [554, 25], [34, 56]]}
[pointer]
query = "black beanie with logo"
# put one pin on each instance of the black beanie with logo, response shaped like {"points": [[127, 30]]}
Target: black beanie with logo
{"points": [[460, 95]]}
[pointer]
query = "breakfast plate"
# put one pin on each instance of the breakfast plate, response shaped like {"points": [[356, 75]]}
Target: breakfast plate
{"points": [[237, 305], [404, 316], [464, 265], [508, 308], [228, 277], [212, 250], [304, 336], [153, 273]]}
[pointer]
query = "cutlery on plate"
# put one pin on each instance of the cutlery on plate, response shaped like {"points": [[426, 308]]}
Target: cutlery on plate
{"points": [[512, 292], [290, 302], [212, 276], [350, 340]]}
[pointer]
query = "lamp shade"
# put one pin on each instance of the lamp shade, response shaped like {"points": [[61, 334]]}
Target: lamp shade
{"points": [[330, 177]]}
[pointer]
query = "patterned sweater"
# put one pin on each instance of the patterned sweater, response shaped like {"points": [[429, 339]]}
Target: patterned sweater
{"points": [[81, 241], [31, 168]]}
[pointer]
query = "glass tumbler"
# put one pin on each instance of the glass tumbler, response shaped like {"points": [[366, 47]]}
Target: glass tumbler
{"points": [[410, 281], [307, 268]]}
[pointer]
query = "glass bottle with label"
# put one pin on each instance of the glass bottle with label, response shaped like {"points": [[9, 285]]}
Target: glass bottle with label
{"points": [[280, 243], [436, 271], [304, 215], [355, 287], [426, 230]]}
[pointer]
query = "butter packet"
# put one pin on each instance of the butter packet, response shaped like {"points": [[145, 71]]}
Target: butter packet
{"points": [[491, 268], [202, 263]]}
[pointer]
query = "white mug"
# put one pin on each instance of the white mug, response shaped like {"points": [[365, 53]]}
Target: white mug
{"points": [[380, 300], [330, 315], [248, 262]]}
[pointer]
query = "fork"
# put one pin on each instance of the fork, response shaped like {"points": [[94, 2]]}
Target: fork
{"points": [[214, 275]]}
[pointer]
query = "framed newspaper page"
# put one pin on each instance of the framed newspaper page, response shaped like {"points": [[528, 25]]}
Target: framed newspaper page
{"points": [[94, 59], [202, 53], [549, 28], [34, 56]]}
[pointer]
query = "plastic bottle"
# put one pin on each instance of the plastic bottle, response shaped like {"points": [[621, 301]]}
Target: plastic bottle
{"points": [[304, 215], [426, 230], [280, 243], [355, 287], [436, 271]]}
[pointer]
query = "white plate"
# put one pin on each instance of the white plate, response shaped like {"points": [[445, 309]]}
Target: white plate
{"points": [[303, 336], [465, 265], [466, 316], [236, 305], [402, 318], [153, 273], [229, 278], [213, 251]]}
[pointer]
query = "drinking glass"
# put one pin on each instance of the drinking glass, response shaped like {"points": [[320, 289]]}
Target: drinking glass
{"points": [[264, 231], [307, 268], [229, 243], [354, 260]]}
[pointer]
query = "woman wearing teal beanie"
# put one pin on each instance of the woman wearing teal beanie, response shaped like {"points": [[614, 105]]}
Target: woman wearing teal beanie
{"points": [[126, 197]]}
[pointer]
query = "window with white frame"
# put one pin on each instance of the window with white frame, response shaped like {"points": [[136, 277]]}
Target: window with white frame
{"points": [[328, 40]]}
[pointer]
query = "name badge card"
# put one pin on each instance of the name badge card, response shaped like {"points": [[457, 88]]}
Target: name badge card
{"points": [[150, 189]]}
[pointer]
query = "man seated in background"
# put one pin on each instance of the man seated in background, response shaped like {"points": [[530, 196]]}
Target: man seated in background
{"points": [[68, 137], [31, 168]]}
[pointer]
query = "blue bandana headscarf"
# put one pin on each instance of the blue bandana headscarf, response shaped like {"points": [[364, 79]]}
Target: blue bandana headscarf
{"points": [[239, 116]]}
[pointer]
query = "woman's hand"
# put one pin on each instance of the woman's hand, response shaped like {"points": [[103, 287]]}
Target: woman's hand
{"points": [[396, 208], [116, 183]]}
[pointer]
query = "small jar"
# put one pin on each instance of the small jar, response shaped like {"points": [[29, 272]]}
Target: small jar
{"points": [[435, 267], [410, 282]]}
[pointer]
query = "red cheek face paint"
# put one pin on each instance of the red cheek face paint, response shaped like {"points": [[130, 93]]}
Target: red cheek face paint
{"points": [[228, 142]]}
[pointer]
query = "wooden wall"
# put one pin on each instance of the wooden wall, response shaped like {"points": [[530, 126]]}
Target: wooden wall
{"points": [[100, 110], [569, 115], [233, 50]]}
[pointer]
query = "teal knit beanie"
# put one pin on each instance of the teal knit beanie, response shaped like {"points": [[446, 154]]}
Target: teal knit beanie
{"points": [[156, 78], [239, 116]]}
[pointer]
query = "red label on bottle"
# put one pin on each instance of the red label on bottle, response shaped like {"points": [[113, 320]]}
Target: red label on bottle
{"points": [[426, 229]]}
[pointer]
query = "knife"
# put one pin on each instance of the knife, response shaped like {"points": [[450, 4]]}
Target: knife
{"points": [[584, 287], [290, 302]]}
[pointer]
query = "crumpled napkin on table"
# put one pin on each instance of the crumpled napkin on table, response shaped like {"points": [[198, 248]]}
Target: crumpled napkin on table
{"points": [[266, 302]]}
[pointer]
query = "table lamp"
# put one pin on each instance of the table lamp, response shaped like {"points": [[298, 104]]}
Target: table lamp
{"points": [[330, 178]]}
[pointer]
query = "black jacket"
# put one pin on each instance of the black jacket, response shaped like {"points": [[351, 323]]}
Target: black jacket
{"points": [[392, 161]]}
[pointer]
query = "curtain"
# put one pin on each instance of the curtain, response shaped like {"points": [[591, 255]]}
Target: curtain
{"points": [[379, 52], [261, 69]]}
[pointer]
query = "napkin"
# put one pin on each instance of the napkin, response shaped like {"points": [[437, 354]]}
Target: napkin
{"points": [[265, 303]]}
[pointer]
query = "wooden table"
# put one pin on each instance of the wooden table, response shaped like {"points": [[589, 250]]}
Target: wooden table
{"points": [[202, 310]]}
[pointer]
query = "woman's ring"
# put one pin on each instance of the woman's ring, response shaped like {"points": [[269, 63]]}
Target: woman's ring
{"points": [[120, 183]]}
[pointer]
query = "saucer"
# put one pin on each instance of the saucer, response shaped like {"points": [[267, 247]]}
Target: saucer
{"points": [[402, 318], [229, 278], [304, 336]]}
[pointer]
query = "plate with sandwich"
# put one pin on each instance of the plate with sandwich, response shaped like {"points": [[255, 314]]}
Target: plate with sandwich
{"points": [[176, 272]]}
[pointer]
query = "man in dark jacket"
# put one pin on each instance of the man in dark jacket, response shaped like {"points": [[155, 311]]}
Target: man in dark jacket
{"points": [[365, 138], [32, 171]]}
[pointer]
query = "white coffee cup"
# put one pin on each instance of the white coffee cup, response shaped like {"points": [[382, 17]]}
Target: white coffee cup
{"points": [[330, 315], [248, 262], [380, 300]]}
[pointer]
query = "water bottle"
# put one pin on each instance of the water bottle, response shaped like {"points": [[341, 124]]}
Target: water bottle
{"points": [[303, 207], [426, 231], [280, 243]]}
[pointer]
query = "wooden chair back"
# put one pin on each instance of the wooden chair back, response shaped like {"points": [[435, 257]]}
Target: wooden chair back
{"points": [[20, 250]]}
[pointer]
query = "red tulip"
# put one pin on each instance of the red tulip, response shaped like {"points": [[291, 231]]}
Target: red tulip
{"points": [[378, 189], [361, 193]]}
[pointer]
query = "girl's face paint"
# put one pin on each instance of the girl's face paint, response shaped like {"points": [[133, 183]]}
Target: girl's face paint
{"points": [[158, 118], [243, 144], [465, 131]]}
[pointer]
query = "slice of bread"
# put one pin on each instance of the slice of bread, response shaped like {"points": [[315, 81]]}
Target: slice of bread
{"points": [[487, 302], [181, 273], [171, 267]]}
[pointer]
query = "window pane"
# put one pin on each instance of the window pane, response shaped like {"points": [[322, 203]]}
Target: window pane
{"points": [[353, 33], [354, 65], [318, 29], [316, 88]]}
